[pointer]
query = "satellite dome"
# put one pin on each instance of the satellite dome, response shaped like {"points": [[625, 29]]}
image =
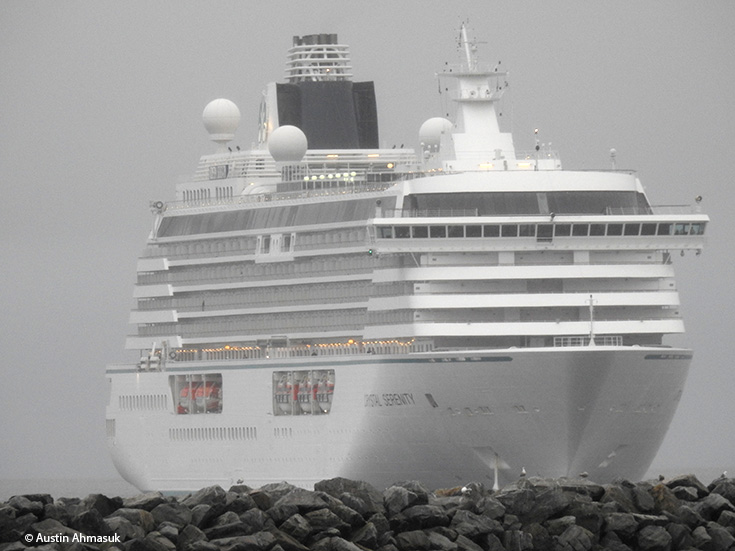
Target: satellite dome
{"points": [[430, 133], [221, 118], [287, 144]]}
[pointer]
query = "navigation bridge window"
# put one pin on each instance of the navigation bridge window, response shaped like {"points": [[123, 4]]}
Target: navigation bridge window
{"points": [[303, 392], [542, 232], [197, 394]]}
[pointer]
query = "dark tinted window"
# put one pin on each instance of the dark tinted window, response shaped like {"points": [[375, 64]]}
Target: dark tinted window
{"points": [[491, 230], [614, 229], [632, 229], [580, 230], [510, 230], [597, 229], [545, 231], [271, 217], [527, 230], [473, 231], [438, 231], [508, 203], [648, 229], [402, 231], [562, 230]]}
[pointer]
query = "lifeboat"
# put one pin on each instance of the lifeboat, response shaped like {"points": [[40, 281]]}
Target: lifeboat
{"points": [[187, 398], [208, 397], [324, 391], [282, 395], [303, 395]]}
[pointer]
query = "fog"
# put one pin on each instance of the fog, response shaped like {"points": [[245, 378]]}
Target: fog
{"points": [[101, 112]]}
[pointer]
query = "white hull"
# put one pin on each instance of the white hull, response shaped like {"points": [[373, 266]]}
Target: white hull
{"points": [[474, 273], [442, 418]]}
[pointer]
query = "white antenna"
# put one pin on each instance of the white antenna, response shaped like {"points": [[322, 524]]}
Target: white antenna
{"points": [[496, 485], [592, 320], [470, 48], [467, 50]]}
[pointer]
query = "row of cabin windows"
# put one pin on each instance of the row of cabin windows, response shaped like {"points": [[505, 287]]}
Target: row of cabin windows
{"points": [[542, 231], [238, 271], [347, 291]]}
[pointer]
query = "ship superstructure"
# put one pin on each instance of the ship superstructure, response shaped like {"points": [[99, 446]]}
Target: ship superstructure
{"points": [[319, 306]]}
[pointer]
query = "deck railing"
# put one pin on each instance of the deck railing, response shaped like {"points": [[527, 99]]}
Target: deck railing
{"points": [[609, 211], [600, 340], [225, 353]]}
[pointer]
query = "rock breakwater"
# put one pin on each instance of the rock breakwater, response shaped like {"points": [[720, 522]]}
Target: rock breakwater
{"points": [[344, 515]]}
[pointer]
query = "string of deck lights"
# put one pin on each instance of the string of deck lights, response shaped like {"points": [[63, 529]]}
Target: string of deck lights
{"points": [[350, 344]]}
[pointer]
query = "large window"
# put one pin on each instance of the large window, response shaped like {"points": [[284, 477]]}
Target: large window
{"points": [[197, 393], [303, 392], [517, 203], [271, 217]]}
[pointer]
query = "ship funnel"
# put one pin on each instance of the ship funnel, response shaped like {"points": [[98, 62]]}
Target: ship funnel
{"points": [[318, 57]]}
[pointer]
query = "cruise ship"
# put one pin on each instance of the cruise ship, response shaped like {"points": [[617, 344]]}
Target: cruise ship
{"points": [[319, 306]]}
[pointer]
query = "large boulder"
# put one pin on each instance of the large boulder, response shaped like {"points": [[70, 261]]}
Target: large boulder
{"points": [[725, 487], [576, 538], [653, 538], [712, 506], [323, 520], [104, 505], [517, 502], [138, 517], [420, 517], [147, 501], [214, 496], [298, 527], [367, 494], [125, 529], [548, 503], [469, 524], [175, 513], [722, 540], [623, 524], [24, 505], [398, 498], [688, 481]]}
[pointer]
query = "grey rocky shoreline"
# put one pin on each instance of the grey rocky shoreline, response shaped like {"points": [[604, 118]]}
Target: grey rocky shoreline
{"points": [[345, 515]]}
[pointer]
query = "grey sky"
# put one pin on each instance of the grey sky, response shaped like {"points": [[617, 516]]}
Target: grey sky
{"points": [[100, 111]]}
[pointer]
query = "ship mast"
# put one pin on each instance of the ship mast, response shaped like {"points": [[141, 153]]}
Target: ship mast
{"points": [[469, 49], [477, 142]]}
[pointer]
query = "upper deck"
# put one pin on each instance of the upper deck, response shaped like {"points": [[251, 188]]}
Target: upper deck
{"points": [[319, 238]]}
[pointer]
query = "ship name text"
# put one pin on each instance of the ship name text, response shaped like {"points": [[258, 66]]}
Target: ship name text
{"points": [[389, 399]]}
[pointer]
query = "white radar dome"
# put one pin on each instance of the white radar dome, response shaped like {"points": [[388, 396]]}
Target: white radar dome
{"points": [[221, 118], [287, 144], [430, 133]]}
